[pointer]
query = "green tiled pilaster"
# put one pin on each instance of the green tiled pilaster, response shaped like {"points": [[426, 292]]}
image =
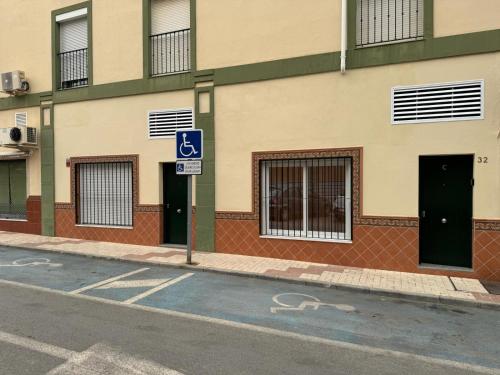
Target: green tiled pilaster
{"points": [[48, 173], [205, 184]]}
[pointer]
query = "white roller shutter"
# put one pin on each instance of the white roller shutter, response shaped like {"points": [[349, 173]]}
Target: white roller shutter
{"points": [[386, 21], [169, 15], [73, 34], [105, 194]]}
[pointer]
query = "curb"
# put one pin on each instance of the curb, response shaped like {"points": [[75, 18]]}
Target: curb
{"points": [[418, 297]]}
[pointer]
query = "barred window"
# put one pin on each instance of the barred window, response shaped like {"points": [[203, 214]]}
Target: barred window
{"points": [[388, 21], [105, 194], [307, 198]]}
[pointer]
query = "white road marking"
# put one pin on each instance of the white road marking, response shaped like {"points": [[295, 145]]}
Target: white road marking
{"points": [[158, 288], [101, 359], [36, 346], [24, 262], [270, 331], [314, 304], [97, 360], [124, 284], [100, 283]]}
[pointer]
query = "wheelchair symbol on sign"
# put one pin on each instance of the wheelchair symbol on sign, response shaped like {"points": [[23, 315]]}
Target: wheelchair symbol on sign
{"points": [[25, 262], [186, 148], [180, 168]]}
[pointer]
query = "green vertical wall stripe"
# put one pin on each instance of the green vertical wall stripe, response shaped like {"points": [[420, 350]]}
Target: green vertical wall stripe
{"points": [[428, 19], [205, 184], [48, 172], [55, 42]]}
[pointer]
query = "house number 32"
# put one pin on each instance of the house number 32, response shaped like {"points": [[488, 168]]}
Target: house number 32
{"points": [[482, 160]]}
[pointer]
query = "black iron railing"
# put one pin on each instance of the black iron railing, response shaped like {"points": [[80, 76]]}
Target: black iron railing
{"points": [[389, 21], [74, 68], [171, 52], [308, 198], [104, 194]]}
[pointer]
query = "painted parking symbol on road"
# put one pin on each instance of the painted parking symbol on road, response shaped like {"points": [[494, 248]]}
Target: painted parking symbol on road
{"points": [[32, 262], [306, 302]]}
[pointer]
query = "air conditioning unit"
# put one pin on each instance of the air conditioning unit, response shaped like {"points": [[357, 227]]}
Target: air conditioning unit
{"points": [[18, 137], [14, 83]]}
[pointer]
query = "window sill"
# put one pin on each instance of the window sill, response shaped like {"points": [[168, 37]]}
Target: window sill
{"points": [[13, 219], [390, 43], [103, 226], [170, 74], [331, 240]]}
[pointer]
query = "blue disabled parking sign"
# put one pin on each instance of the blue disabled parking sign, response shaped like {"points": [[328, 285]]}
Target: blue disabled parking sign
{"points": [[189, 144]]}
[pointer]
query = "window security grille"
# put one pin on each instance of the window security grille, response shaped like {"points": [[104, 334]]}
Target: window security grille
{"points": [[105, 194], [163, 124], [21, 119], [388, 21], [440, 102], [306, 198]]}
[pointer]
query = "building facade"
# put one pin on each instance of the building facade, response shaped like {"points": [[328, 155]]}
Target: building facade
{"points": [[364, 133]]}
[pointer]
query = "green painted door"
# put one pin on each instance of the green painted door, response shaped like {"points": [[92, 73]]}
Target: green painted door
{"points": [[4, 188], [445, 200], [13, 188], [174, 206]]}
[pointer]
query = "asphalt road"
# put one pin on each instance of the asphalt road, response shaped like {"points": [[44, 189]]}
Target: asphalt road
{"points": [[63, 314]]}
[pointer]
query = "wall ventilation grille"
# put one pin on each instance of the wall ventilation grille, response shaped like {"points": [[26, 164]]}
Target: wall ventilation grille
{"points": [[439, 102], [163, 124], [21, 119]]}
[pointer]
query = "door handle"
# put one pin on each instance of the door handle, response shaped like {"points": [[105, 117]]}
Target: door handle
{"points": [[443, 220], [179, 211], [423, 214]]}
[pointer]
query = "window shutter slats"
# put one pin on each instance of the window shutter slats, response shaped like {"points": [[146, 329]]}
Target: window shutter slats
{"points": [[73, 35], [169, 15], [163, 124], [442, 102]]}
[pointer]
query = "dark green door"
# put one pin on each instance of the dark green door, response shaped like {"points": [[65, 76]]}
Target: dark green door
{"points": [[174, 206], [445, 199], [13, 189]]}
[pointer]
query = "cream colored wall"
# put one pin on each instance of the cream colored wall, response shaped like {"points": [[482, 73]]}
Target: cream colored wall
{"points": [[234, 32], [26, 35], [335, 111], [115, 127], [33, 166], [117, 40], [453, 17]]}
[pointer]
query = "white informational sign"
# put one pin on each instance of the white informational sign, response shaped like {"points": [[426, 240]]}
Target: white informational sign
{"points": [[188, 167]]}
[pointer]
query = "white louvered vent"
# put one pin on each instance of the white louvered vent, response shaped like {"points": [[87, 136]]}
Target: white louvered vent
{"points": [[439, 102], [21, 119], [164, 123]]}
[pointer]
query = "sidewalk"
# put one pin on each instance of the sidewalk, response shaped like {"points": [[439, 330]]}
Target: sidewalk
{"points": [[428, 287]]}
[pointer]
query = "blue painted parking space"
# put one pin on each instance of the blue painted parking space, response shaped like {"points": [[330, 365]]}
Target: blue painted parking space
{"points": [[440, 331]]}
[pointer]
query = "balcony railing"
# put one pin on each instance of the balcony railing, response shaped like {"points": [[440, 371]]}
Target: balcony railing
{"points": [[389, 21], [73, 68], [170, 52]]}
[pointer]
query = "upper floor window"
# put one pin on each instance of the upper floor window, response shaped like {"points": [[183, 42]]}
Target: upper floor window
{"points": [[170, 40], [73, 49], [389, 21]]}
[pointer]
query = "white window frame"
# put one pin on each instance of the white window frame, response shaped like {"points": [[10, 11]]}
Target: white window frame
{"points": [[305, 234], [430, 85]]}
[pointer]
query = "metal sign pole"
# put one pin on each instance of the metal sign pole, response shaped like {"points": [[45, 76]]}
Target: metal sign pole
{"points": [[190, 217]]}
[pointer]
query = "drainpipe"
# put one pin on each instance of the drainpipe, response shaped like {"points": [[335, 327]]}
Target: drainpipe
{"points": [[343, 38]]}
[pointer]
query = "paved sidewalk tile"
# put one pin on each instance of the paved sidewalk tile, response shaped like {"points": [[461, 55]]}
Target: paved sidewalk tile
{"points": [[370, 279]]}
